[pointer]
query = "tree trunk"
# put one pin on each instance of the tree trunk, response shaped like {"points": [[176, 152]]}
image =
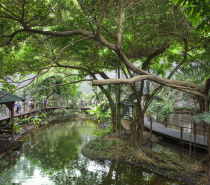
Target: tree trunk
{"points": [[113, 117], [137, 133], [208, 143], [137, 127], [206, 109]]}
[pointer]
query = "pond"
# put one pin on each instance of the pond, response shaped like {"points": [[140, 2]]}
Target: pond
{"points": [[53, 156]]}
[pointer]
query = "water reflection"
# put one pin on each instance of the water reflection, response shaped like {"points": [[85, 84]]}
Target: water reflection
{"points": [[53, 156], [178, 152]]}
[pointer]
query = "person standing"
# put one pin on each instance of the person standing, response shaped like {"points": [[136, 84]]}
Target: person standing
{"points": [[32, 105], [15, 107], [18, 108], [44, 103], [29, 106], [21, 106]]}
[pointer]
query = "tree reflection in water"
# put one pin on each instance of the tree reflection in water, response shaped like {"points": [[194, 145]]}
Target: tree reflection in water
{"points": [[52, 156]]}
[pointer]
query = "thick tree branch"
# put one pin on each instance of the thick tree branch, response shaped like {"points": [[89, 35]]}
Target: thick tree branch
{"points": [[99, 36], [153, 55], [180, 85], [157, 90], [86, 80], [60, 33], [11, 36]]}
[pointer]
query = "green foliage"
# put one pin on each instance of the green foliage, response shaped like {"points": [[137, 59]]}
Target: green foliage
{"points": [[36, 120], [149, 137], [198, 12], [49, 85], [101, 132], [186, 108], [202, 117], [17, 127], [67, 112], [164, 102], [100, 145], [100, 112]]}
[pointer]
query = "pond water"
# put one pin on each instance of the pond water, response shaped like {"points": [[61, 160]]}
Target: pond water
{"points": [[53, 156]]}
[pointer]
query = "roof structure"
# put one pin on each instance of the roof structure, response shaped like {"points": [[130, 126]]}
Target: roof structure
{"points": [[9, 98]]}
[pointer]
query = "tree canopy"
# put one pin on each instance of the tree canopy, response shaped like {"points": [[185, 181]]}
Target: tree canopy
{"points": [[145, 40]]}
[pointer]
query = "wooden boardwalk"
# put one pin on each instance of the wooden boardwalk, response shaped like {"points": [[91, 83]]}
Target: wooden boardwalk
{"points": [[24, 113], [175, 134]]}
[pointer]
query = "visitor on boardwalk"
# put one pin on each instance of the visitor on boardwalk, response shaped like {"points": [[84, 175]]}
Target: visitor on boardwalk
{"points": [[20, 106], [81, 102], [61, 104], [44, 103], [16, 107], [32, 104], [47, 103], [29, 106]]}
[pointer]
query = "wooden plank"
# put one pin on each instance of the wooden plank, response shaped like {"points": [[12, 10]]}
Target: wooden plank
{"points": [[5, 136], [8, 132]]}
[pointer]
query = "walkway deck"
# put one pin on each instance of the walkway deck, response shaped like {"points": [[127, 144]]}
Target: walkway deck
{"points": [[175, 134], [6, 117]]}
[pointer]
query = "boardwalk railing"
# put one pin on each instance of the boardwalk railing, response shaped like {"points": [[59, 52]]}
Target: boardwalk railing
{"points": [[160, 118], [3, 111], [37, 106]]}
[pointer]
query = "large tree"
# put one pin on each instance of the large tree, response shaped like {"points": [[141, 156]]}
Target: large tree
{"points": [[142, 36]]}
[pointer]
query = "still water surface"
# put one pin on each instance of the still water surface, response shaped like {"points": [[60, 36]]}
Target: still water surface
{"points": [[53, 156]]}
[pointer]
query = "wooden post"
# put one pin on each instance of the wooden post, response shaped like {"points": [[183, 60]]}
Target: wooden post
{"points": [[12, 121], [150, 124], [181, 136], [10, 106], [166, 121], [132, 110], [157, 117], [195, 133]]}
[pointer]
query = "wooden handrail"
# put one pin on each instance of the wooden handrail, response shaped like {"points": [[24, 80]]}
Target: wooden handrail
{"points": [[176, 125]]}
